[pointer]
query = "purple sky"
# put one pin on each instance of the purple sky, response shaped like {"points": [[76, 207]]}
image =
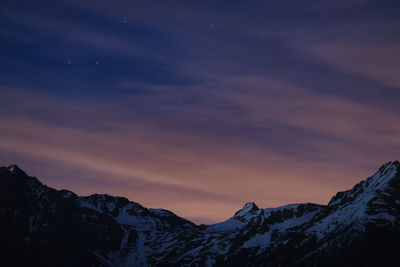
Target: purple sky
{"points": [[200, 106]]}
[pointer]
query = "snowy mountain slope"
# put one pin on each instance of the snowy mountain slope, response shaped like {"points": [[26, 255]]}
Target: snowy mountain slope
{"points": [[369, 201], [45, 227], [359, 227]]}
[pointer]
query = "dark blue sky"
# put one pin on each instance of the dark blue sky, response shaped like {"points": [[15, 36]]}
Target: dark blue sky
{"points": [[212, 102]]}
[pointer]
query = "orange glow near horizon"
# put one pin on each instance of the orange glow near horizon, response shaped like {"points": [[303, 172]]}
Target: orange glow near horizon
{"points": [[198, 177]]}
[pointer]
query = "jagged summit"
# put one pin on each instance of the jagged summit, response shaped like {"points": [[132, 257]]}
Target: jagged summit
{"points": [[372, 185], [14, 169], [249, 207], [11, 168], [385, 168]]}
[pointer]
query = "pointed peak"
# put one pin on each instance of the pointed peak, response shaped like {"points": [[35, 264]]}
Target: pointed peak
{"points": [[387, 168], [251, 205], [15, 170], [395, 164], [378, 182], [247, 208], [11, 168], [389, 164]]}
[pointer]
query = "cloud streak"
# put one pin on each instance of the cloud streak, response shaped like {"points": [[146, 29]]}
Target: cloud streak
{"points": [[200, 107], [219, 163]]}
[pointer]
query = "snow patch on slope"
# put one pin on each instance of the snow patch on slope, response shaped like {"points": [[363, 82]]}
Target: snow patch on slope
{"points": [[259, 240]]}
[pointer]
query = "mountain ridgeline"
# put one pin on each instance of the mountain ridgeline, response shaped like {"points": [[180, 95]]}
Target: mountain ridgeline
{"points": [[41, 226]]}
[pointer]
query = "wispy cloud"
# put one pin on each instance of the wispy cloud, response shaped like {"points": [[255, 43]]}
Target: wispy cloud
{"points": [[366, 47], [224, 163], [200, 104], [377, 61]]}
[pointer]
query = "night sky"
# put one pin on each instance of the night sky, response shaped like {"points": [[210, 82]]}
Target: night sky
{"points": [[200, 106]]}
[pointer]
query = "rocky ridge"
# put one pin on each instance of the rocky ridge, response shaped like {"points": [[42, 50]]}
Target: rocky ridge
{"points": [[42, 226]]}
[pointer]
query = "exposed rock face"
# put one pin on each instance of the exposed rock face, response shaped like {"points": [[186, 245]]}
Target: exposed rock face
{"points": [[41, 226]]}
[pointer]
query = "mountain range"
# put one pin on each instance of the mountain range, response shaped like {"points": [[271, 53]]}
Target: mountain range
{"points": [[42, 226]]}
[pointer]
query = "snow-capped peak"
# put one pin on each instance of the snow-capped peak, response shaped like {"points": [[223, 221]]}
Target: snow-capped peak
{"points": [[247, 208], [371, 200], [14, 169], [368, 187], [384, 175]]}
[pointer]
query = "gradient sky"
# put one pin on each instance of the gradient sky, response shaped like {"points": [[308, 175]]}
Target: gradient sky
{"points": [[200, 106]]}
